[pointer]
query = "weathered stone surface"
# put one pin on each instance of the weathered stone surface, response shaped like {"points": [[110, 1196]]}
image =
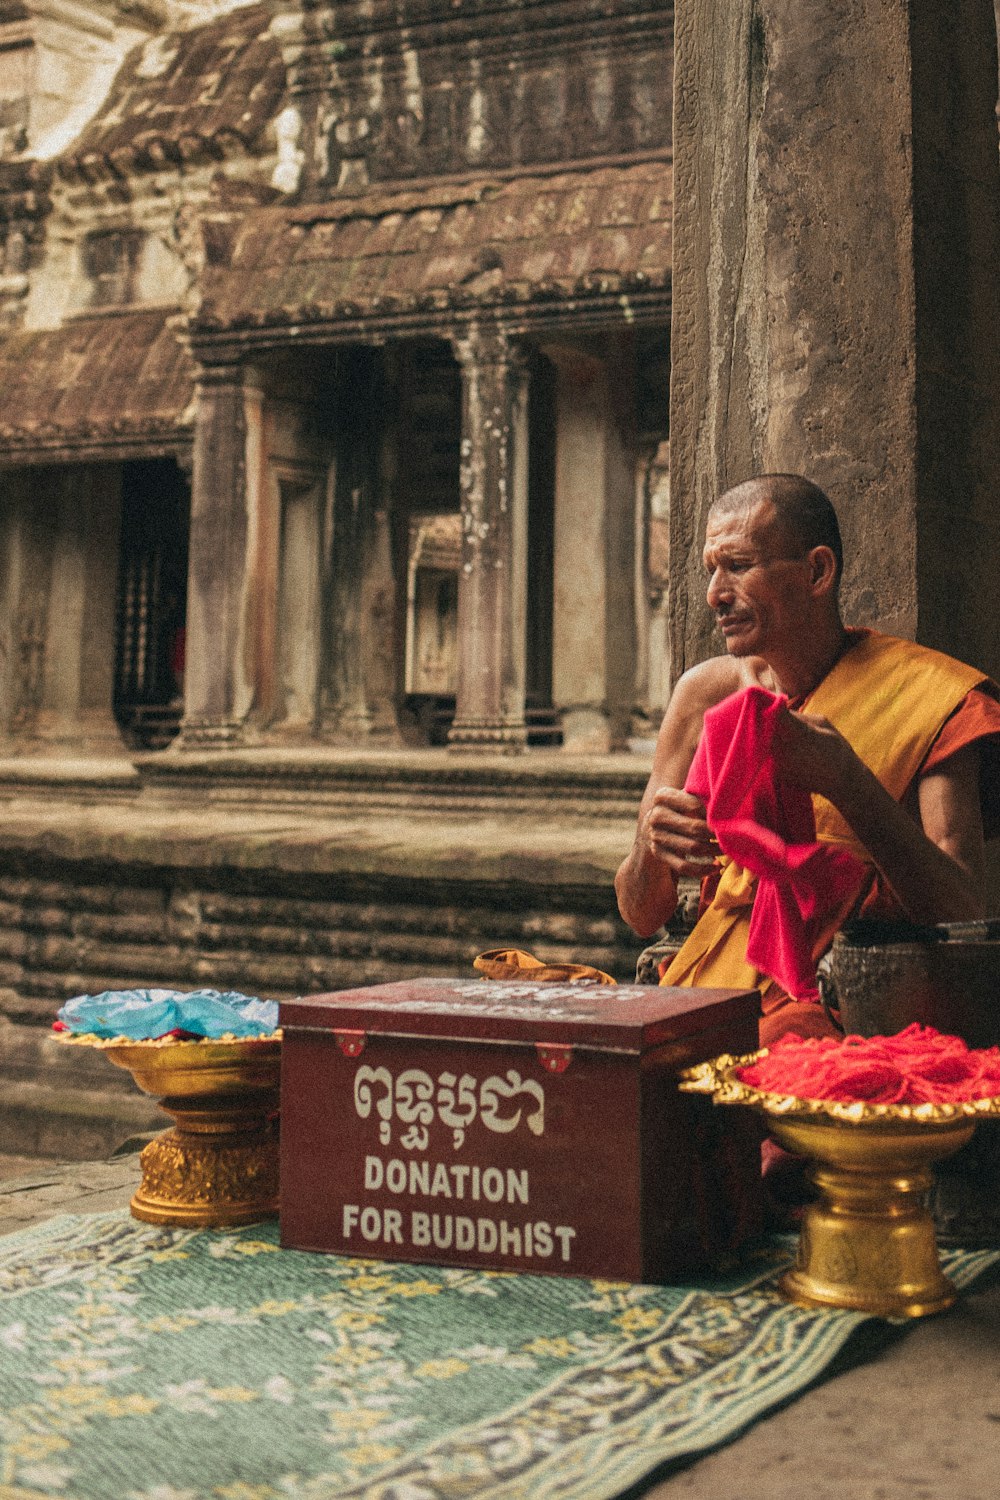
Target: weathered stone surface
{"points": [[360, 875], [100, 387], [57, 611], [425, 89], [31, 1191], [837, 264], [493, 576], [531, 248], [593, 655]]}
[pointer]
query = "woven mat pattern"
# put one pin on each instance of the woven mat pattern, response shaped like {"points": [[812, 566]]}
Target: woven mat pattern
{"points": [[158, 1364]]}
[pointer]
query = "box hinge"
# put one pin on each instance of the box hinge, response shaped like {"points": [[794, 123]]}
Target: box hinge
{"points": [[351, 1043], [554, 1056]]}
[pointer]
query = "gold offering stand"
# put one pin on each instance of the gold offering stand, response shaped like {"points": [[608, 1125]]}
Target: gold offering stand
{"points": [[219, 1163], [868, 1241]]}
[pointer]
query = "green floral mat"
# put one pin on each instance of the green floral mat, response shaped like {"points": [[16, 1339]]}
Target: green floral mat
{"points": [[155, 1364]]}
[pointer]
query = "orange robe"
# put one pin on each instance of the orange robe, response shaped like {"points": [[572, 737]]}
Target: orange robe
{"points": [[889, 698]]}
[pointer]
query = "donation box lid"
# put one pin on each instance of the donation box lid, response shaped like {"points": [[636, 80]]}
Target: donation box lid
{"points": [[621, 1018]]}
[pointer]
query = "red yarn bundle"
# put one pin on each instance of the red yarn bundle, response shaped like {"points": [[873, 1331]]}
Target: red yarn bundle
{"points": [[917, 1066]]}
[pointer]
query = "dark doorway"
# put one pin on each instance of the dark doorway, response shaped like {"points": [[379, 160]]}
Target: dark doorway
{"points": [[428, 532], [152, 602]]}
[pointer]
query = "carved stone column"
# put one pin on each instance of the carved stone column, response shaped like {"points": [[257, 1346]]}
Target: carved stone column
{"points": [[836, 262], [492, 583], [227, 490], [359, 669], [593, 627]]}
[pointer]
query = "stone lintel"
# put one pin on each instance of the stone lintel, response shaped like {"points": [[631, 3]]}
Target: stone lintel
{"points": [[526, 311]]}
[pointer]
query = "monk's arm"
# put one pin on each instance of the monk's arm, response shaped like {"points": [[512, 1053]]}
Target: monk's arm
{"points": [[672, 837], [936, 866]]}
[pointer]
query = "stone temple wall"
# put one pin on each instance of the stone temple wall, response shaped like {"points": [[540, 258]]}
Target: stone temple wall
{"points": [[350, 876]]}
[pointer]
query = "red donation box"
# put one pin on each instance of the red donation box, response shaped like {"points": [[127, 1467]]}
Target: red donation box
{"points": [[516, 1126]]}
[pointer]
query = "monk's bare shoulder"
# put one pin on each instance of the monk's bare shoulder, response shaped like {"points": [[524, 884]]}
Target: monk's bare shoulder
{"points": [[708, 682], [698, 690]]}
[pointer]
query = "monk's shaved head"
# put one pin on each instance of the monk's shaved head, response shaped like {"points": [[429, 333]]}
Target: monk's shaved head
{"points": [[802, 510]]}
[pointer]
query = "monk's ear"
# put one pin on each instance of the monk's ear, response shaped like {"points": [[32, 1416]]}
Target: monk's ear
{"points": [[822, 570]]}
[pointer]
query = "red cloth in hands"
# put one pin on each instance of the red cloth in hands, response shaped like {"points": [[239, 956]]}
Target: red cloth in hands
{"points": [[768, 828]]}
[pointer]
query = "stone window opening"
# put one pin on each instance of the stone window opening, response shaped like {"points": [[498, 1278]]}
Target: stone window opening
{"points": [[111, 259]]}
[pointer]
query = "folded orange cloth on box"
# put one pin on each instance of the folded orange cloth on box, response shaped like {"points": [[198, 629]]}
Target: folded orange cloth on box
{"points": [[513, 963]]}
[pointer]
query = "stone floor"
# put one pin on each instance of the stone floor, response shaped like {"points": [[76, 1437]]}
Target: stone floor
{"points": [[916, 1419], [34, 1190]]}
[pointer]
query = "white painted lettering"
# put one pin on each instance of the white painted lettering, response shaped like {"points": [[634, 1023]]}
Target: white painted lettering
{"points": [[465, 1234], [487, 1236], [393, 1224], [460, 1173], [517, 1185], [373, 1174], [351, 1212], [395, 1176], [493, 1185], [420, 1229], [529, 1248], [510, 1238], [420, 1176], [440, 1187], [543, 1239], [442, 1228], [564, 1236], [371, 1224]]}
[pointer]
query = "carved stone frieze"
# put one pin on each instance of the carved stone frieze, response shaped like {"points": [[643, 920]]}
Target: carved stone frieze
{"points": [[31, 633], [493, 87], [24, 203]]}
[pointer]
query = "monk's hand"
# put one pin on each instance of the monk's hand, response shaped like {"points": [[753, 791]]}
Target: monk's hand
{"points": [[810, 754], [673, 830]]}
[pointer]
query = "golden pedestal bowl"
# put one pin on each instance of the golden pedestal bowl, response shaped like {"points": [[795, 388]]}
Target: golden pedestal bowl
{"points": [[219, 1163], [868, 1241]]}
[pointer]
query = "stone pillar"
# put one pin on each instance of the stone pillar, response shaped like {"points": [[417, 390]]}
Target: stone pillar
{"points": [[61, 587], [22, 612], [593, 627], [492, 581], [359, 668], [298, 621], [298, 460], [227, 616], [835, 285]]}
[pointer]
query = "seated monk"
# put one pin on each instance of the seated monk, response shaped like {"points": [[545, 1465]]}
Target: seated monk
{"points": [[890, 738]]}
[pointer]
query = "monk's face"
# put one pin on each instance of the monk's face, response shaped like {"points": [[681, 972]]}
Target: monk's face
{"points": [[757, 586]]}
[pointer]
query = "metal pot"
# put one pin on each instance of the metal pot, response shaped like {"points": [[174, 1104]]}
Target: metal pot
{"points": [[882, 975], [878, 978]]}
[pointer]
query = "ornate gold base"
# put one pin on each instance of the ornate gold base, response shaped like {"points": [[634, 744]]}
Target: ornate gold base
{"points": [[204, 1182], [219, 1165], [868, 1243]]}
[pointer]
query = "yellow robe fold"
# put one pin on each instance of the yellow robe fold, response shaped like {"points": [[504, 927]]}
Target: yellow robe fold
{"points": [[889, 699]]}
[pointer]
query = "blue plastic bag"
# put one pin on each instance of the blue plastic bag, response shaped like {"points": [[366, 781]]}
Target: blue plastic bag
{"points": [[142, 1015]]}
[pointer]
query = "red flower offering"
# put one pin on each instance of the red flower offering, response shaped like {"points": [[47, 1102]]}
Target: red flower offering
{"points": [[917, 1066]]}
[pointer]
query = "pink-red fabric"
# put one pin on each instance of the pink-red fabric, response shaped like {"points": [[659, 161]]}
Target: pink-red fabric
{"points": [[768, 828]]}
